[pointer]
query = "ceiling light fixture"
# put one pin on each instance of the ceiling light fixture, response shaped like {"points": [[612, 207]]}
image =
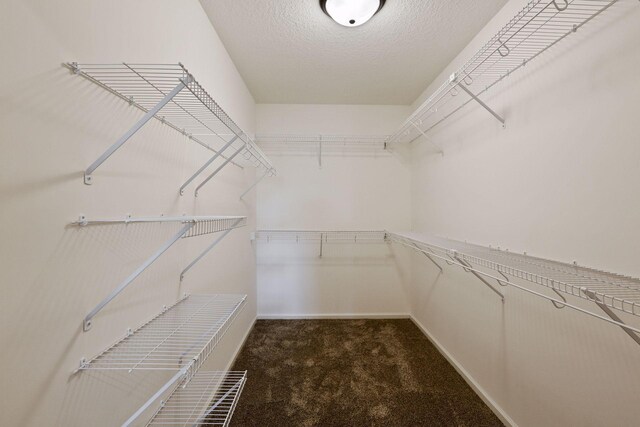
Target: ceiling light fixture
{"points": [[351, 13]]}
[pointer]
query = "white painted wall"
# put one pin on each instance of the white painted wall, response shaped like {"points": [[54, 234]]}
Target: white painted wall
{"points": [[560, 182], [52, 126], [347, 193]]}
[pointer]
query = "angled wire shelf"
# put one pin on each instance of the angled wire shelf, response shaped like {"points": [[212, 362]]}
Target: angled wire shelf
{"points": [[207, 399], [171, 94], [540, 25], [611, 292], [346, 145], [191, 226], [181, 337]]}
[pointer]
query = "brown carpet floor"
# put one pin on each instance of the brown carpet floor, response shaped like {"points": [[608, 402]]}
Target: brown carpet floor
{"points": [[351, 373]]}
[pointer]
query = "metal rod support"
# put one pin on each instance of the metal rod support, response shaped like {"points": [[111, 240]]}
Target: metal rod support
{"points": [[181, 373], [255, 183], [611, 314], [215, 172], [211, 160], [211, 246], [86, 324], [479, 101], [124, 138], [482, 279], [427, 138]]}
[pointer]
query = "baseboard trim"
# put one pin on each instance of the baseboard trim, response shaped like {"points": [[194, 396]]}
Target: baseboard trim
{"points": [[335, 316], [241, 345], [500, 413]]}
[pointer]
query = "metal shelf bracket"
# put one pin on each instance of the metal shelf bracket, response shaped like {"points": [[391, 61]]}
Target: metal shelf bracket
{"points": [[211, 246], [592, 296], [478, 276], [215, 172], [461, 84], [257, 181], [135, 128], [207, 163], [87, 322]]}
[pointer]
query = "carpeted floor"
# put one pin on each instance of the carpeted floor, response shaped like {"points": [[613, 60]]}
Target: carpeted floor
{"points": [[351, 373]]}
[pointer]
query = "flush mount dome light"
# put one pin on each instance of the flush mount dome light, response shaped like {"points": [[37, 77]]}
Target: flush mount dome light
{"points": [[351, 13]]}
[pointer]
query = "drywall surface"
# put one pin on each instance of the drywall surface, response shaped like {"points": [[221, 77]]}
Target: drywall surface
{"points": [[346, 193], [53, 124], [560, 182]]}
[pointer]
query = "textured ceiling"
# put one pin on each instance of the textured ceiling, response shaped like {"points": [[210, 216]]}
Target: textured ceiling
{"points": [[289, 51]]}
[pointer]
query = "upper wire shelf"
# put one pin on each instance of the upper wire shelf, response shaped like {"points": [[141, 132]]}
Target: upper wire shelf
{"points": [[171, 94], [181, 337], [607, 290], [207, 399], [540, 25], [327, 144]]}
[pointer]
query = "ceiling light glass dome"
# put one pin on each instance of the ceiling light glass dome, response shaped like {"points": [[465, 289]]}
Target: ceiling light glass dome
{"points": [[351, 13]]}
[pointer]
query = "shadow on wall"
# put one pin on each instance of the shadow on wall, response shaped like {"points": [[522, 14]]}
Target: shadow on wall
{"points": [[43, 323]]}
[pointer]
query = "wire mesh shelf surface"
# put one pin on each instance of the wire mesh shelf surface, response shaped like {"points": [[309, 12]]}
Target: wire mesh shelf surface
{"points": [[363, 236], [612, 290], [200, 224], [207, 399], [327, 144], [181, 336], [192, 111], [538, 26]]}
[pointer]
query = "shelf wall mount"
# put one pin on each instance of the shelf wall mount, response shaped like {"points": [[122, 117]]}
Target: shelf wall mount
{"points": [[191, 226]]}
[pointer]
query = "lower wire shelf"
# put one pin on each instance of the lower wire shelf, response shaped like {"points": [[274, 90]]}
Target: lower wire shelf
{"points": [[207, 399], [180, 337]]}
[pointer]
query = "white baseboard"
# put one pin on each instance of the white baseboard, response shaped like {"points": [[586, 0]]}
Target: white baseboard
{"points": [[334, 316], [240, 346], [500, 413]]}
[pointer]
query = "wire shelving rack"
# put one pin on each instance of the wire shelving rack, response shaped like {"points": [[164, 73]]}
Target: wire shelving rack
{"points": [[344, 236], [322, 237], [540, 25], [610, 292], [182, 336], [330, 145], [172, 95], [208, 399], [191, 226]]}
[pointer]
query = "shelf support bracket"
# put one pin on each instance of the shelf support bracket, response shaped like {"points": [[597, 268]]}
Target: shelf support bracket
{"points": [[211, 246], [460, 84], [426, 137], [86, 324], [264, 175], [478, 276], [211, 160], [180, 374], [215, 172], [124, 138], [592, 296], [428, 256]]}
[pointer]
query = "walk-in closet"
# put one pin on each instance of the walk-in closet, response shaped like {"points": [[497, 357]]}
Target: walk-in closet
{"points": [[320, 213]]}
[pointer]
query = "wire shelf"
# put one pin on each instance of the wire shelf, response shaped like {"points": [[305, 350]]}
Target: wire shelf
{"points": [[327, 144], [540, 25], [363, 236], [200, 225], [191, 111], [181, 336], [611, 290], [207, 399]]}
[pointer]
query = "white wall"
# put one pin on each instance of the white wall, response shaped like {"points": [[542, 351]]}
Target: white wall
{"points": [[347, 193], [561, 182], [52, 126]]}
